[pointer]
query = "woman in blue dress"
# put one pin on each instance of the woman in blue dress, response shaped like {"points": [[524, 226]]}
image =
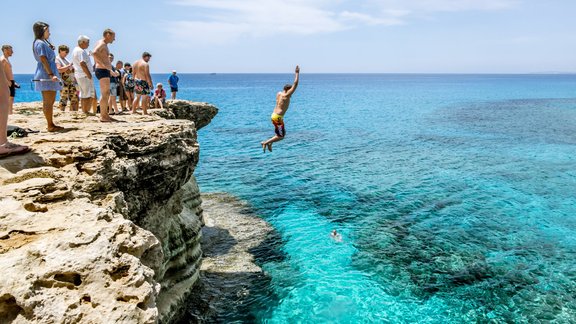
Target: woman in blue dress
{"points": [[46, 77]]}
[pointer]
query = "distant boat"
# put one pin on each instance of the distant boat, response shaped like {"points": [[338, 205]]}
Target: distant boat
{"points": [[212, 73]]}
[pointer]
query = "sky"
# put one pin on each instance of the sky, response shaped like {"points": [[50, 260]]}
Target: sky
{"points": [[322, 36]]}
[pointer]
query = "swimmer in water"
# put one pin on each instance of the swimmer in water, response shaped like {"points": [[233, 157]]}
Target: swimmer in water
{"points": [[336, 236]]}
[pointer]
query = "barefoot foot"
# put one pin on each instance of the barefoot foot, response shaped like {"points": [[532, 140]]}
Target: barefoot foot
{"points": [[55, 128], [109, 120]]}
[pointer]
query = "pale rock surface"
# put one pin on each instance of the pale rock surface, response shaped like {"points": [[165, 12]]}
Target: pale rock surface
{"points": [[100, 223]]}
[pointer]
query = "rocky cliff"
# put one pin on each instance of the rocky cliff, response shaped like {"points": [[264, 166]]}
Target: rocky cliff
{"points": [[101, 223]]}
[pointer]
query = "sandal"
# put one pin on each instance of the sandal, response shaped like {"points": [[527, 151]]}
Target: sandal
{"points": [[9, 149]]}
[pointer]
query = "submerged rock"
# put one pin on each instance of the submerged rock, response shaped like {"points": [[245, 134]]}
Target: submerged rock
{"points": [[101, 222], [234, 240]]}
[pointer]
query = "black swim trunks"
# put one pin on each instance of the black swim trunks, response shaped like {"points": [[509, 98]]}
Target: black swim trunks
{"points": [[102, 73], [12, 88], [173, 89]]}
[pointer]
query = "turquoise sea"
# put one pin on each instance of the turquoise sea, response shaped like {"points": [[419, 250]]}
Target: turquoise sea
{"points": [[455, 194]]}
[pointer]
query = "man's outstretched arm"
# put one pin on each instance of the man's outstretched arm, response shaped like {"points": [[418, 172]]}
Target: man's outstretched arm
{"points": [[295, 85]]}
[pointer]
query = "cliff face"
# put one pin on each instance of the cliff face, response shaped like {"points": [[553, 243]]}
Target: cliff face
{"points": [[101, 223]]}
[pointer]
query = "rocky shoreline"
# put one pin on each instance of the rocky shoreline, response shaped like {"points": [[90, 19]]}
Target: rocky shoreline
{"points": [[102, 222], [233, 238]]}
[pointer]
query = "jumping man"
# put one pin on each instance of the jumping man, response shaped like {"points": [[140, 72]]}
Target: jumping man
{"points": [[282, 103]]}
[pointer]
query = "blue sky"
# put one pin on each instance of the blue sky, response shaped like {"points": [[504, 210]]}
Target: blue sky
{"points": [[380, 36]]}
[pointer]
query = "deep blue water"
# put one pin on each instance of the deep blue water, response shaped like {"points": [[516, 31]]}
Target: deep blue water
{"points": [[455, 194]]}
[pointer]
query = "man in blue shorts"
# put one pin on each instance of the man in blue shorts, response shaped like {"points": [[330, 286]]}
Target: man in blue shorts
{"points": [[173, 82]]}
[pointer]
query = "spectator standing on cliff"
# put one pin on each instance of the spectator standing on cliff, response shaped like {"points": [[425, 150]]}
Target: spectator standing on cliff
{"points": [[6, 148], [114, 80], [95, 102], [7, 51], [121, 91], [46, 76], [128, 84], [66, 70], [173, 82], [103, 68], [83, 73], [142, 83], [282, 104]]}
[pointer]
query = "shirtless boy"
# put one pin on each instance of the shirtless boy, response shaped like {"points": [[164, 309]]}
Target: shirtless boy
{"points": [[6, 53], [103, 71], [282, 104], [6, 148], [143, 83]]}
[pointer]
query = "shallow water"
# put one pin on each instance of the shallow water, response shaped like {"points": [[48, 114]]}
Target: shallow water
{"points": [[455, 194]]}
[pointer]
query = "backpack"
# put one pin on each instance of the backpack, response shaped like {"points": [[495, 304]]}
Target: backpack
{"points": [[15, 131]]}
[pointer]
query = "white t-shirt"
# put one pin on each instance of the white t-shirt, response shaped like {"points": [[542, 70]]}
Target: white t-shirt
{"points": [[80, 55], [64, 62]]}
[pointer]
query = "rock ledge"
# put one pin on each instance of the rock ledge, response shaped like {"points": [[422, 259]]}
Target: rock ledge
{"points": [[101, 223]]}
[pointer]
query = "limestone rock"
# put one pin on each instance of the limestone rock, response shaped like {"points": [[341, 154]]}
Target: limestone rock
{"points": [[77, 263], [200, 112], [100, 223]]}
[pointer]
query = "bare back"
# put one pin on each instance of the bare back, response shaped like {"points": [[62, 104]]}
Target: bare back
{"points": [[141, 70], [7, 67], [282, 103], [101, 55]]}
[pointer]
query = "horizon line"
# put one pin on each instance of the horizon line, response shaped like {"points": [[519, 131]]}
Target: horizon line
{"points": [[368, 73]]}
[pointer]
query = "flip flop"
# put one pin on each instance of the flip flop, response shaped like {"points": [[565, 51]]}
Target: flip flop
{"points": [[31, 131], [13, 149], [9, 145]]}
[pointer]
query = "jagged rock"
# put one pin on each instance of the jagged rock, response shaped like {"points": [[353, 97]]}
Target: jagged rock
{"points": [[101, 223], [200, 112]]}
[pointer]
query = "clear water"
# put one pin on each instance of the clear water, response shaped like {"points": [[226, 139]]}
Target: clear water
{"points": [[455, 194]]}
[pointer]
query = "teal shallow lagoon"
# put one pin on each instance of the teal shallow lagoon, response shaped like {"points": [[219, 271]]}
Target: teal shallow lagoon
{"points": [[455, 194]]}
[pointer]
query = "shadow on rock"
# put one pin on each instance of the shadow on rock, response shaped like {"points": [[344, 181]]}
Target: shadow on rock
{"points": [[232, 286], [216, 241], [229, 297], [17, 163]]}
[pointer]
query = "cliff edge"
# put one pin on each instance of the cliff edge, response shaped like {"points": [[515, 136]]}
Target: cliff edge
{"points": [[101, 222]]}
